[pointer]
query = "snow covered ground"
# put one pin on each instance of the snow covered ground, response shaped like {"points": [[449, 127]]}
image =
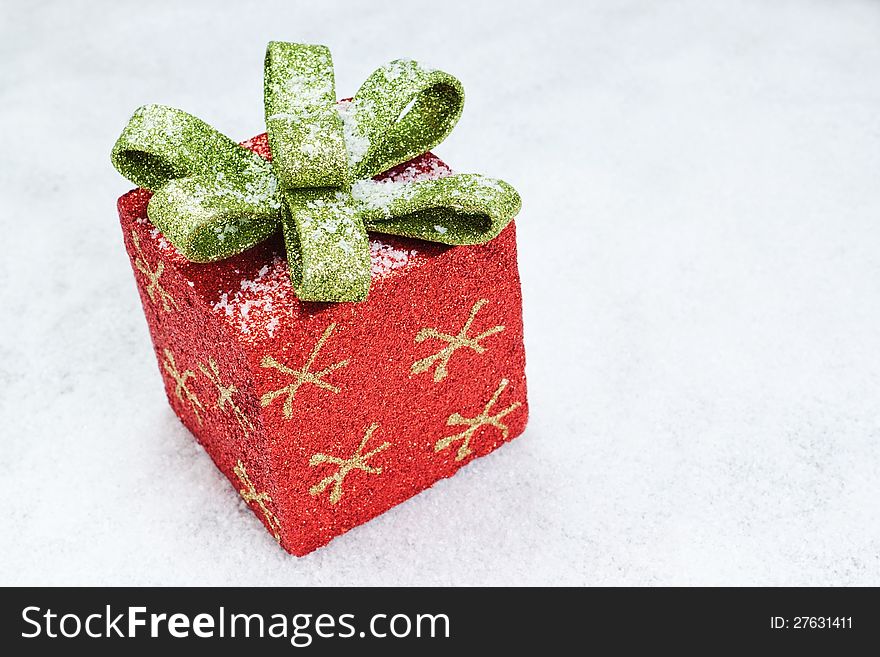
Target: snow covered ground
{"points": [[700, 252]]}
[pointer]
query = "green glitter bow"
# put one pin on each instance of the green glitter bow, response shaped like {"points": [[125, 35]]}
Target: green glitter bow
{"points": [[213, 198]]}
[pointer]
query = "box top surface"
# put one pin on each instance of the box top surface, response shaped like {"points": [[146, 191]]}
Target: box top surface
{"points": [[252, 289]]}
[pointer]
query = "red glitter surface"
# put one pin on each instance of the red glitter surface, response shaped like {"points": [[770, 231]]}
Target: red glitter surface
{"points": [[240, 319]]}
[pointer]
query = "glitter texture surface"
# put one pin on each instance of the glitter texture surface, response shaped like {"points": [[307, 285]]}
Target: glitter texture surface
{"points": [[325, 415], [214, 199]]}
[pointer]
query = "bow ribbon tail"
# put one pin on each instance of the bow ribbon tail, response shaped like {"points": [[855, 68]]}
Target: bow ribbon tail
{"points": [[327, 246]]}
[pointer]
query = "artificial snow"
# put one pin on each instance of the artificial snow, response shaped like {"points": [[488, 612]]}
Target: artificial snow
{"points": [[356, 143], [698, 248], [250, 308], [385, 258]]}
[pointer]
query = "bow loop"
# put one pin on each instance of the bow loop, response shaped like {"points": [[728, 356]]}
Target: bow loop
{"points": [[212, 198], [161, 143], [402, 110], [210, 218], [305, 130], [461, 209]]}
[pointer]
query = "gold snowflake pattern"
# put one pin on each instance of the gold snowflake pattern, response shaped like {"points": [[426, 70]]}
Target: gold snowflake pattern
{"points": [[475, 423], [154, 289], [301, 376], [454, 342], [250, 495], [224, 395], [182, 390], [357, 461]]}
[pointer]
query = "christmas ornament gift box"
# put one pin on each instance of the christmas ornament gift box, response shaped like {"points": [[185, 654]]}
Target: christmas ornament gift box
{"points": [[336, 314]]}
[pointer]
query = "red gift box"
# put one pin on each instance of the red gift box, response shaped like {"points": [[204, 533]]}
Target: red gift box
{"points": [[324, 415]]}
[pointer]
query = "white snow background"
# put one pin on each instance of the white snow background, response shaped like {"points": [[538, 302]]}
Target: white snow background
{"points": [[699, 244]]}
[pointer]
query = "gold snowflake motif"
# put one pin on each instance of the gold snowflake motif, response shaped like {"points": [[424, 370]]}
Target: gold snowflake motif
{"points": [[475, 423], [154, 288], [455, 342], [184, 394], [301, 376], [224, 395], [357, 461], [249, 494]]}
